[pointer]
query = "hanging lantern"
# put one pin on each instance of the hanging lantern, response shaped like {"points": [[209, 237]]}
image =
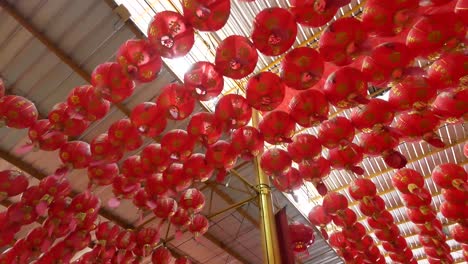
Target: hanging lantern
{"points": [[181, 219], [275, 161], [361, 188], [204, 127], [61, 119], [347, 157], [315, 170], [407, 180], [394, 56], [236, 57], [86, 103], [124, 134], [415, 126], [132, 168], [314, 14], [341, 42], [154, 158], [75, 154], [123, 188], [247, 142], [165, 207], [178, 144], [199, 225], [415, 200], [265, 91], [334, 202], [288, 182], [395, 245], [192, 200], [274, 31], [301, 236], [450, 175], [111, 82], [451, 106], [346, 88], [460, 10], [345, 218], [277, 127], [460, 234], [413, 92], [17, 112], [176, 101], [221, 156], [146, 239], [140, 59], [338, 240], [335, 132], [197, 168], [12, 183], [162, 255], [155, 186], [175, 179], [375, 114], [103, 174], [43, 137], [355, 232], [304, 147], [302, 68], [204, 81], [233, 111], [372, 206], [309, 108], [171, 35], [103, 150], [207, 15], [383, 143], [148, 119], [421, 215], [319, 217]]}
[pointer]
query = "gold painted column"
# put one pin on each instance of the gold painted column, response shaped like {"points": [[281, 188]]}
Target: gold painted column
{"points": [[271, 253]]}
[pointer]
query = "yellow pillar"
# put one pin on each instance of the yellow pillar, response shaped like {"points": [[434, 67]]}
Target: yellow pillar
{"points": [[271, 254]]}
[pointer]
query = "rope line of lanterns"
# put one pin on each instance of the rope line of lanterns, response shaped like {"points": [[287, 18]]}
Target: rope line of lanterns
{"points": [[379, 49]]}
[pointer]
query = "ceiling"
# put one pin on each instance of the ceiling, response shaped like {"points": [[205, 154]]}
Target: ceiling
{"points": [[47, 47]]}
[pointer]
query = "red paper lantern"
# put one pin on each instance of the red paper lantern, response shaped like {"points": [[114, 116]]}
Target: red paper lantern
{"points": [[455, 196], [334, 202], [143, 201], [192, 200], [265, 91], [415, 200], [178, 144], [450, 175], [412, 92], [451, 106], [171, 34], [372, 115], [204, 127], [345, 218], [421, 215], [42, 136], [162, 256], [274, 31], [221, 156], [207, 15], [204, 81], [419, 125], [372, 206], [361, 188], [17, 112], [288, 181], [140, 59], [347, 157], [132, 168], [146, 239], [199, 225], [166, 207], [155, 186], [304, 147], [395, 245], [365, 244], [148, 119], [302, 68], [86, 103], [236, 57], [103, 150], [75, 154], [308, 108], [62, 119], [233, 111], [175, 178], [314, 14], [454, 212], [176, 101], [247, 142], [394, 56], [407, 180], [124, 134], [301, 236], [383, 143], [197, 168], [181, 219], [277, 127], [355, 232], [319, 217], [154, 158], [460, 10], [338, 240], [460, 233], [111, 82], [315, 170], [335, 132], [275, 161], [12, 183], [123, 187], [346, 88]]}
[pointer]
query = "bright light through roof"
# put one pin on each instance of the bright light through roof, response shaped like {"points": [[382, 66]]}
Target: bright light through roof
{"points": [[179, 65]]}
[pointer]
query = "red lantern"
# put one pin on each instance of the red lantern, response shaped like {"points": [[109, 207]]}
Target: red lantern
{"points": [[178, 144], [319, 217], [355, 232], [334, 202], [419, 125], [336, 132], [75, 154], [460, 233], [304, 147], [233, 111], [143, 201], [85, 102], [180, 219], [346, 88], [365, 244], [236, 57], [315, 170], [183, 260], [221, 156], [162, 256], [146, 239], [395, 245], [275, 161], [170, 34], [176, 101], [197, 168], [372, 206], [148, 119], [132, 168], [460, 10], [192, 200], [12, 183], [155, 186], [207, 15], [301, 236], [314, 14], [451, 106], [265, 91], [412, 92], [338, 240], [61, 119], [308, 108], [375, 114], [345, 218], [394, 56], [112, 82], [123, 133], [175, 178], [341, 42], [302, 68], [204, 81], [361, 188], [277, 127], [103, 150], [415, 200], [205, 128], [347, 157], [17, 112], [455, 212], [154, 158], [455, 196], [140, 59], [421, 215], [288, 181], [123, 187], [247, 142], [199, 225], [43, 137], [432, 229], [274, 31], [407, 180], [166, 207], [382, 143]]}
